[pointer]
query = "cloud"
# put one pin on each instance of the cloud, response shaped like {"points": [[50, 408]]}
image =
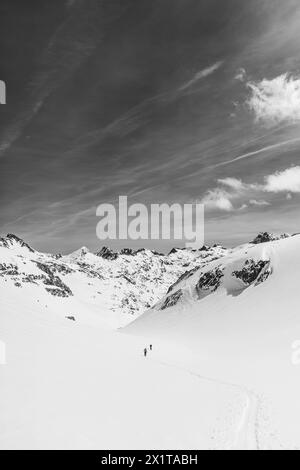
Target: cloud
{"points": [[250, 194], [200, 75], [261, 203], [275, 101], [221, 199], [284, 181], [232, 183], [218, 199], [241, 75]]}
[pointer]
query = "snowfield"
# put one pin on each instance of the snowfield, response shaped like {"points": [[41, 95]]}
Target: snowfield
{"points": [[72, 386], [222, 373], [241, 326]]}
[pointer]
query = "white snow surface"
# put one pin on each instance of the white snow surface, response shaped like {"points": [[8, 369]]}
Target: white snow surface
{"points": [[220, 376], [67, 385], [243, 333]]}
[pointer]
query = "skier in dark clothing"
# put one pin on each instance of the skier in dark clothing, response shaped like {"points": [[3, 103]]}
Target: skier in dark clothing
{"points": [[150, 347], [145, 352]]}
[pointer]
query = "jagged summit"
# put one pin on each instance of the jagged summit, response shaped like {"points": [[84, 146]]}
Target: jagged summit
{"points": [[12, 239], [265, 237], [109, 254]]}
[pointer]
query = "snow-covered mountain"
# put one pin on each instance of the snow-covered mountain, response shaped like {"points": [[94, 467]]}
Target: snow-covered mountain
{"points": [[241, 269], [115, 286]]}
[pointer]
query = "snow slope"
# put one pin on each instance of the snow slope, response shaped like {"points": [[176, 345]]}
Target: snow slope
{"points": [[239, 318], [72, 386]]}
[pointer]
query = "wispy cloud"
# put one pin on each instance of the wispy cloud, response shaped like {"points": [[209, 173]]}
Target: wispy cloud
{"points": [[258, 152], [232, 183], [135, 117], [72, 42], [200, 75], [260, 203]]}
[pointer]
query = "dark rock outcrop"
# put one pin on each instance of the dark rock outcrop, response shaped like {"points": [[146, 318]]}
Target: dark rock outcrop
{"points": [[254, 272], [108, 254], [183, 277], [210, 281], [265, 237], [172, 300], [58, 287]]}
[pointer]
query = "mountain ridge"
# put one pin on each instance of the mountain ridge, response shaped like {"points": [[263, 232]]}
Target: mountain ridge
{"points": [[123, 284]]}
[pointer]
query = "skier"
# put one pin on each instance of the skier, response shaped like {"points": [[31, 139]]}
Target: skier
{"points": [[145, 352], [150, 347]]}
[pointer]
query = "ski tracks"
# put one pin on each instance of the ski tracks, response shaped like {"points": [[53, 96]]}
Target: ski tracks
{"points": [[247, 426]]}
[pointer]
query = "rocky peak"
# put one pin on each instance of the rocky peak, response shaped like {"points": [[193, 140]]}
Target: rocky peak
{"points": [[265, 237], [12, 239], [127, 252], [106, 253]]}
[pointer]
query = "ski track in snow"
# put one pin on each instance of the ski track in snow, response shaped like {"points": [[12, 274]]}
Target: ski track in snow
{"points": [[247, 429]]}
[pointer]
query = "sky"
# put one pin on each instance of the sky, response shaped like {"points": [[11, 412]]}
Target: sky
{"points": [[165, 101]]}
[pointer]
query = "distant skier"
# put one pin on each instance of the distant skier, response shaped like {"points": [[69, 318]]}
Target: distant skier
{"points": [[145, 352], [150, 347]]}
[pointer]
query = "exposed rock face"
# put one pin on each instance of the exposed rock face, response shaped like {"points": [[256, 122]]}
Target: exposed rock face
{"points": [[106, 253], [172, 300], [254, 271], [265, 237], [47, 277], [173, 251], [11, 239], [8, 270], [184, 276], [127, 252], [205, 248], [210, 281], [58, 287]]}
